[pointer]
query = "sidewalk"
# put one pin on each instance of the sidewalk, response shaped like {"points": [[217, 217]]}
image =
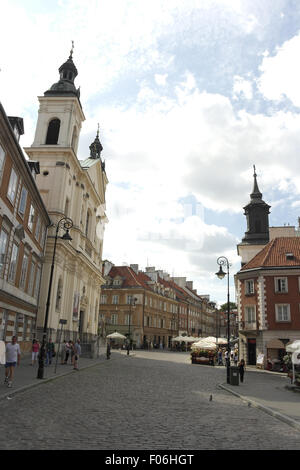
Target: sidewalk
{"points": [[26, 374], [270, 392]]}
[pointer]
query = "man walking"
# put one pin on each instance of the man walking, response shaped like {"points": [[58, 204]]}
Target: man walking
{"points": [[77, 352], [13, 355]]}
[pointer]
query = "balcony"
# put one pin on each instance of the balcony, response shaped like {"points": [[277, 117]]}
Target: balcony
{"points": [[248, 326]]}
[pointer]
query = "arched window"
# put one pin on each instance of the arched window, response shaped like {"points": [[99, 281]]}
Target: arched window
{"points": [[53, 132]]}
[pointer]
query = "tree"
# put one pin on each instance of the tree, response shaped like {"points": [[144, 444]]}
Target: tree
{"points": [[224, 307]]}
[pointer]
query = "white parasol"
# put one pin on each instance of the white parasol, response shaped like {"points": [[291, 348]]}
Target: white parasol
{"points": [[116, 335], [294, 346]]}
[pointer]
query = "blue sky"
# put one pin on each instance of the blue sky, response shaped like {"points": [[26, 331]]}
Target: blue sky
{"points": [[189, 95]]}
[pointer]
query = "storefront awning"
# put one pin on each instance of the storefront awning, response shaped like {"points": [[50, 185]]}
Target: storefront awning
{"points": [[275, 344]]}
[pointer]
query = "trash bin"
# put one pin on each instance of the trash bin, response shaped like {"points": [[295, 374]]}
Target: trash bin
{"points": [[234, 375]]}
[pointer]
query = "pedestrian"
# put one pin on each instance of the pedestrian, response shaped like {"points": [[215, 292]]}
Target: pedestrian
{"points": [[50, 351], [35, 351], [63, 352], [235, 358], [72, 352], [77, 352], [242, 369], [226, 358], [13, 356], [220, 359], [67, 351], [108, 351]]}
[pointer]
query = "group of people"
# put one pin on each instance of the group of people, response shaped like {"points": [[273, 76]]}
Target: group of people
{"points": [[234, 359], [11, 355], [70, 350]]}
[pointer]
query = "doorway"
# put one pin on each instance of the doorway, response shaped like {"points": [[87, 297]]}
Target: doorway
{"points": [[252, 352]]}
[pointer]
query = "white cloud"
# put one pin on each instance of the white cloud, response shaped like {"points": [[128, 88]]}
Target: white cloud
{"points": [[280, 74]]}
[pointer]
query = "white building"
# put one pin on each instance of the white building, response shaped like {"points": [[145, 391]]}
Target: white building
{"points": [[70, 189]]}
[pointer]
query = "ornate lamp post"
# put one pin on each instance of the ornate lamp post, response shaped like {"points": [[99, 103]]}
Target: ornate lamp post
{"points": [[66, 224], [132, 301], [223, 261]]}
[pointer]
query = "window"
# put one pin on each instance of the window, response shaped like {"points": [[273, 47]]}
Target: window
{"points": [[115, 299], [13, 263], [114, 319], [3, 249], [31, 279], [2, 158], [31, 218], [249, 287], [37, 281], [24, 271], [3, 324], [250, 314], [87, 224], [38, 228], [283, 313], [281, 284], [127, 319], [23, 199], [116, 282], [12, 186], [103, 299], [53, 132]]}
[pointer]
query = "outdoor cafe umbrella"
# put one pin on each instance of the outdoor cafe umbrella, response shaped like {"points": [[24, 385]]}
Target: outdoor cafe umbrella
{"points": [[294, 346], [116, 335]]}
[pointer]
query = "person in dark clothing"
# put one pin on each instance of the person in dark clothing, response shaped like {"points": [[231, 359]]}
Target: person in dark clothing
{"points": [[108, 351], [242, 368]]}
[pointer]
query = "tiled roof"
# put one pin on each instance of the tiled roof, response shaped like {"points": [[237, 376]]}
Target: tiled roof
{"points": [[274, 254]]}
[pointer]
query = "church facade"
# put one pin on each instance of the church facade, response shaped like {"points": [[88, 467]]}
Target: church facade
{"points": [[73, 192]]}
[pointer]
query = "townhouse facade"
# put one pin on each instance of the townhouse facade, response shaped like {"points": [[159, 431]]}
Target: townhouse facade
{"points": [[269, 300], [23, 228], [73, 190], [149, 307]]}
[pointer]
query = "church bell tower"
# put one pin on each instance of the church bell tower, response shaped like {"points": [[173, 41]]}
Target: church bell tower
{"points": [[257, 234]]}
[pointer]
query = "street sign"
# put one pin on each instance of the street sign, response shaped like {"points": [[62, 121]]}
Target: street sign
{"points": [[63, 322]]}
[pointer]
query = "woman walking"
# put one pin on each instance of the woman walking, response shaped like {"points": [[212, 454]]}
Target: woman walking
{"points": [[35, 351], [242, 368]]}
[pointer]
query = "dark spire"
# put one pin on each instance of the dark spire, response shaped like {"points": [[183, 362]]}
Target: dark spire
{"points": [[96, 147], [257, 214], [67, 72], [256, 194]]}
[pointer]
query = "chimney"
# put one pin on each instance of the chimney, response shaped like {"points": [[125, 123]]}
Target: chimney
{"points": [[189, 284]]}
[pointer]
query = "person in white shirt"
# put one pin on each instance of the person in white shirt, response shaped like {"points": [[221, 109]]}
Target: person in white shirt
{"points": [[13, 355]]}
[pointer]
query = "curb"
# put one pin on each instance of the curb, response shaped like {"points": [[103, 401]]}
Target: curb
{"points": [[275, 414], [44, 381]]}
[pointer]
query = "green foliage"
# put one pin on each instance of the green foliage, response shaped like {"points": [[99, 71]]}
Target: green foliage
{"points": [[224, 307]]}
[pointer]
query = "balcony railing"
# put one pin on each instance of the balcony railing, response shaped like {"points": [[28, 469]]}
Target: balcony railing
{"points": [[248, 325]]}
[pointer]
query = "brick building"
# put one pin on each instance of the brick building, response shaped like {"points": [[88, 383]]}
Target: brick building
{"points": [[23, 226], [268, 292]]}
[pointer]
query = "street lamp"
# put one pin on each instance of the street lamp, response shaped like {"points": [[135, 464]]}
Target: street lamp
{"points": [[132, 301], [66, 224], [223, 261]]}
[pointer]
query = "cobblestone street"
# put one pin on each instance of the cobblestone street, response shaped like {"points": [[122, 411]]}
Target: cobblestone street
{"points": [[150, 400]]}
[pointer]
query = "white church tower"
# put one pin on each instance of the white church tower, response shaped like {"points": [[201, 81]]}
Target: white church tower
{"points": [[75, 190]]}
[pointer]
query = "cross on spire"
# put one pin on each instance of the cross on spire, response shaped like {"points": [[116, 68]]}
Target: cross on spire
{"points": [[72, 50]]}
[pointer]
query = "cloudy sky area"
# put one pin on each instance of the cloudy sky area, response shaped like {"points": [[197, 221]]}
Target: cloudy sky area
{"points": [[189, 95]]}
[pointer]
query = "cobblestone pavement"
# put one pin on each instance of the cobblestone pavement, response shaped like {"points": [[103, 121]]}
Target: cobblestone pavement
{"points": [[146, 401]]}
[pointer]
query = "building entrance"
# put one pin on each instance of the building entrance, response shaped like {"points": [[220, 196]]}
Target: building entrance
{"points": [[252, 352]]}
